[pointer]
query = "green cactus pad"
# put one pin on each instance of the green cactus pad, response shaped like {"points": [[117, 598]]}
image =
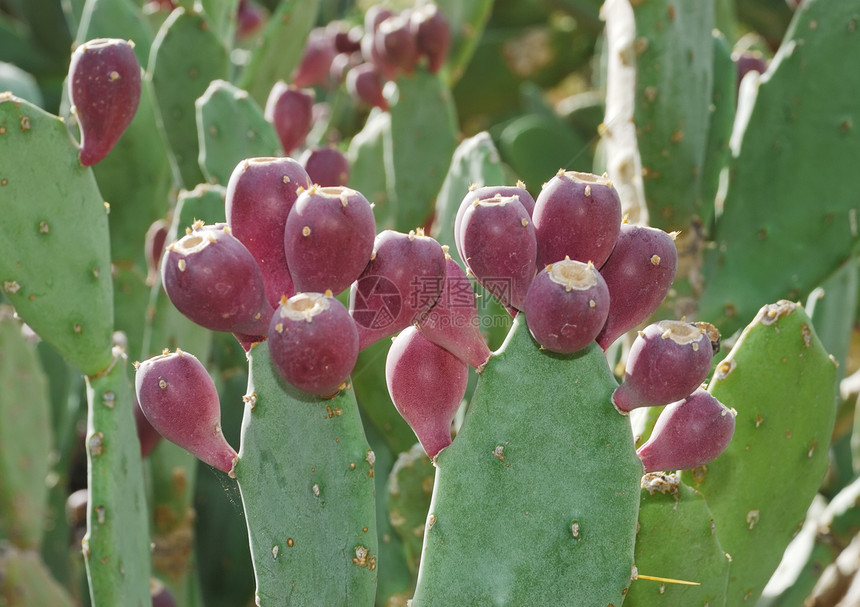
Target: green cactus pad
{"points": [[231, 127], [25, 433], [116, 546], [306, 476], [54, 248], [418, 152], [674, 59], [410, 487], [467, 19], [27, 582], [535, 501], [782, 383], [366, 157], [279, 49], [186, 57], [790, 215], [677, 540]]}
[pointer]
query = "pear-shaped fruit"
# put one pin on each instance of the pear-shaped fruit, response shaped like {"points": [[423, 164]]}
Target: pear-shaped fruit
{"points": [[426, 384], [179, 398], [104, 88]]}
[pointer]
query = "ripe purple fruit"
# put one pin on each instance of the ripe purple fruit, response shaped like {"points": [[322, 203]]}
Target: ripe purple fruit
{"points": [[214, 280], [179, 399], [260, 194], [104, 88], [638, 273], [398, 287], [395, 43], [328, 238], [364, 82], [576, 215], [314, 66], [566, 306], [498, 246], [326, 166], [475, 193], [432, 35], [146, 434], [688, 433], [313, 343], [453, 322], [426, 384], [290, 110], [668, 360]]}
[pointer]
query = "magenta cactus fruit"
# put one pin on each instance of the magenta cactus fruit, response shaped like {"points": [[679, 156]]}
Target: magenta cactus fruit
{"points": [[364, 83], [567, 305], [688, 433], [250, 17], [260, 194], [146, 434], [453, 322], [326, 166], [577, 215], [104, 88], [426, 383], [498, 246], [668, 360], [313, 68], [373, 18], [313, 343], [214, 280], [290, 110], [478, 193], [344, 37], [328, 238], [395, 43], [639, 274], [432, 35], [179, 399], [154, 243], [399, 286]]}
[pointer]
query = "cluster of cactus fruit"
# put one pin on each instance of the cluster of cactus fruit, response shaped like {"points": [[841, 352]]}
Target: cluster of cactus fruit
{"points": [[328, 252], [289, 248]]}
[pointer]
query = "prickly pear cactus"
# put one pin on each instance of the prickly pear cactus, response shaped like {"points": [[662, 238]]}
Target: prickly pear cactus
{"points": [[514, 498]]}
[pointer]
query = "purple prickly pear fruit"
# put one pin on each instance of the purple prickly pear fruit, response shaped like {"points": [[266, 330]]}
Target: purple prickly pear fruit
{"points": [[364, 82], [260, 194], [249, 18], [668, 360], [344, 37], [326, 166], [432, 35], [566, 306], [453, 322], [395, 43], [688, 433], [154, 242], [475, 193], [576, 215], [328, 238], [160, 594], [214, 280], [426, 383], [104, 88], [341, 64], [373, 18], [498, 246], [290, 110], [313, 343], [180, 400], [638, 273], [314, 66], [398, 287], [146, 434]]}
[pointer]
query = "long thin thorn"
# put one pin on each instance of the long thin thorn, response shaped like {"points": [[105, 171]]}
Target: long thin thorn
{"points": [[654, 578]]}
